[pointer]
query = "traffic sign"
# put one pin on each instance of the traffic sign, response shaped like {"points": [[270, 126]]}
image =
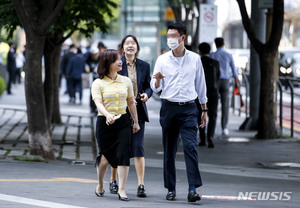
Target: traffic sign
{"points": [[208, 23]]}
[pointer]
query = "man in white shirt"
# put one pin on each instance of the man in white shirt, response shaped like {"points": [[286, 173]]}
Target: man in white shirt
{"points": [[179, 75]]}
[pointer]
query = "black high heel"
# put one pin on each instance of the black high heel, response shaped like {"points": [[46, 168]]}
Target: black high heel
{"points": [[100, 194], [123, 198]]}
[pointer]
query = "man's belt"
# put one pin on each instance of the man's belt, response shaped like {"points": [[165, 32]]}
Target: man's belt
{"points": [[179, 103]]}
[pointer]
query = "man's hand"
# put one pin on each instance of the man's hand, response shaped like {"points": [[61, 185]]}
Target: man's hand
{"points": [[203, 119], [158, 76]]}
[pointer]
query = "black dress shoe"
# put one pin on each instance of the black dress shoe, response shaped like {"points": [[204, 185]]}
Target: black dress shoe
{"points": [[201, 144], [141, 191], [113, 187], [171, 196], [100, 194], [123, 198], [193, 196], [210, 144]]}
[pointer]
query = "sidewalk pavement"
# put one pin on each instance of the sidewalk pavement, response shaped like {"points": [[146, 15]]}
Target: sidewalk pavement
{"points": [[238, 163]]}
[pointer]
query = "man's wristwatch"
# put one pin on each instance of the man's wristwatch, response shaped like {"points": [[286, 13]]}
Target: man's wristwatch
{"points": [[205, 110]]}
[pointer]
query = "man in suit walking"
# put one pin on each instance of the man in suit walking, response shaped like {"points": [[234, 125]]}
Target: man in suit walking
{"points": [[212, 75], [11, 66]]}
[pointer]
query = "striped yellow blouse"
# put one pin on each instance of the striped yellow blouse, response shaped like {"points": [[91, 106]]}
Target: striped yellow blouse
{"points": [[113, 93]]}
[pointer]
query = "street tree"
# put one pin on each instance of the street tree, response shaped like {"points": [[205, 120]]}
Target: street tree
{"points": [[36, 18], [84, 16], [267, 53]]}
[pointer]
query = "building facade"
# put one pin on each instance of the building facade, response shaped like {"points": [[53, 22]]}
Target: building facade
{"points": [[146, 20]]}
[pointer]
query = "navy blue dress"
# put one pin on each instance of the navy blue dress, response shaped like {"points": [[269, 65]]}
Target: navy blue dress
{"points": [[143, 83]]}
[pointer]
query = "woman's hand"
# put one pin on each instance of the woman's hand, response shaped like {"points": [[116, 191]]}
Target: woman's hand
{"points": [[135, 127], [109, 119], [144, 97]]}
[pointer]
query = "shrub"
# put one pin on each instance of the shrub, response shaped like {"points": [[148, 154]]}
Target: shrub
{"points": [[2, 85]]}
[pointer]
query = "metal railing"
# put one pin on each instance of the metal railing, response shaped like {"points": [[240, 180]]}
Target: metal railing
{"points": [[289, 84]]}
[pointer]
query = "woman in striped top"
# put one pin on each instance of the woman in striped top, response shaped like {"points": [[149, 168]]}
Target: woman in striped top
{"points": [[112, 93]]}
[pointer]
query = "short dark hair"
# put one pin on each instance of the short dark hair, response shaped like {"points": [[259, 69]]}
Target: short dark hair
{"points": [[123, 41], [219, 42], [180, 27], [108, 57], [101, 45], [204, 48], [72, 46]]}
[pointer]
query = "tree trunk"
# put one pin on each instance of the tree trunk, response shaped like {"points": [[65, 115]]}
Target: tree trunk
{"points": [[267, 53], [38, 131], [48, 83], [51, 84], [266, 122], [56, 117]]}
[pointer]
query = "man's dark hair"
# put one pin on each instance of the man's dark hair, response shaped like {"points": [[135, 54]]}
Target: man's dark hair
{"points": [[73, 46], [204, 48], [219, 42], [180, 27]]}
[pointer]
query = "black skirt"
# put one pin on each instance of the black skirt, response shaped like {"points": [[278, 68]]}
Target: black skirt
{"points": [[114, 140]]}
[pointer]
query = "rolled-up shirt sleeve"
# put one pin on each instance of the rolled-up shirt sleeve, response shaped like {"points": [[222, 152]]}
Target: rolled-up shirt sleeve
{"points": [[157, 68], [232, 66], [200, 83]]}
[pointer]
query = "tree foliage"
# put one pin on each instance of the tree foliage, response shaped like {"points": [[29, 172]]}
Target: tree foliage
{"points": [[8, 18], [47, 24], [84, 16]]}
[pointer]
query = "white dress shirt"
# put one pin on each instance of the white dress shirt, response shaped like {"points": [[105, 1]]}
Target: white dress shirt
{"points": [[184, 77]]}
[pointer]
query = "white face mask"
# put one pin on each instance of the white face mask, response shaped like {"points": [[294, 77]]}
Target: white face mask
{"points": [[173, 43]]}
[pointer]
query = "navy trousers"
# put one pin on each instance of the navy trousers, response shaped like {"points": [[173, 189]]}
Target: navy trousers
{"points": [[180, 119]]}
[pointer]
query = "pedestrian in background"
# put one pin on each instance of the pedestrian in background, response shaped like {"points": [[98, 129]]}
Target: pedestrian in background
{"points": [[179, 75], [212, 75], [112, 94], [75, 68], [11, 66], [92, 60], [64, 65], [139, 73], [20, 61], [101, 47], [227, 67]]}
